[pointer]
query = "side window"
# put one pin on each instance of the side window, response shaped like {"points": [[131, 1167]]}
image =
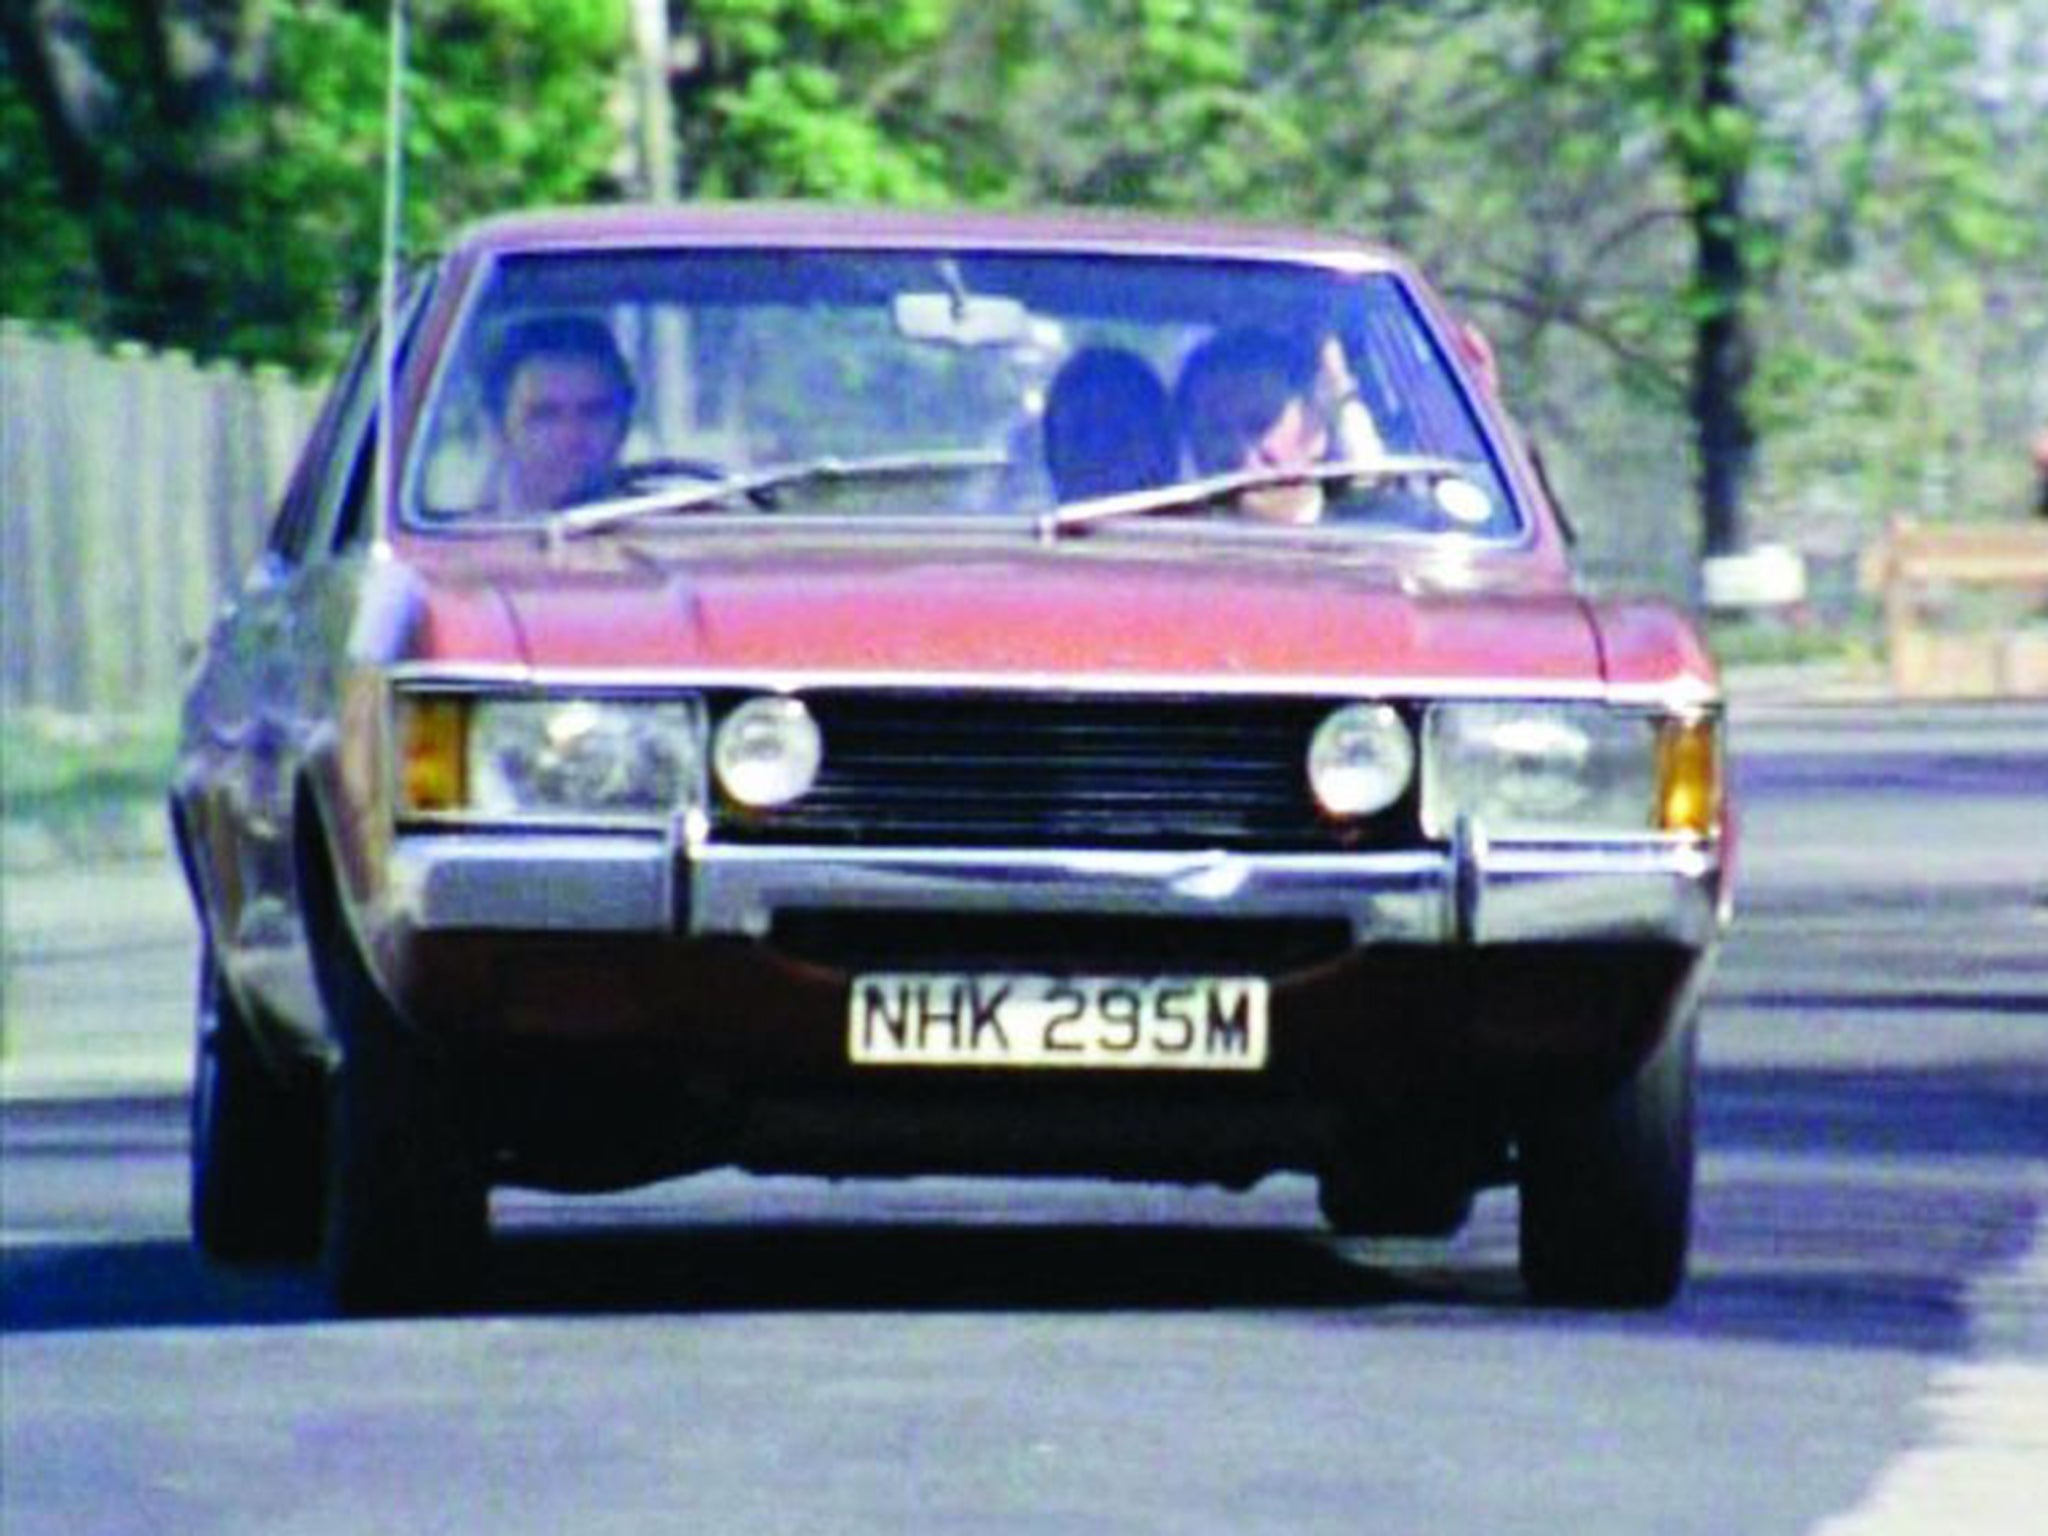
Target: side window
{"points": [[309, 504], [354, 445], [338, 501], [290, 533], [353, 516]]}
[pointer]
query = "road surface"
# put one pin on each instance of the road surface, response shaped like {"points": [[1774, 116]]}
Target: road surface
{"points": [[1863, 1350]]}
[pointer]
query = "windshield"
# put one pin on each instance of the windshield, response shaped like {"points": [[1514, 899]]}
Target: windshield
{"points": [[586, 391]]}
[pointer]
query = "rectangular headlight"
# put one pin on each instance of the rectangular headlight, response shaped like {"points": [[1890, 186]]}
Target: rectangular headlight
{"points": [[1568, 770], [548, 759]]}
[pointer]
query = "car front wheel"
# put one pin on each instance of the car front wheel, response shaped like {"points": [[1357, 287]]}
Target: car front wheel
{"points": [[407, 1197], [1606, 1188], [256, 1140]]}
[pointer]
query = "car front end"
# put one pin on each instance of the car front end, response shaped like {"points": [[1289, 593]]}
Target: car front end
{"points": [[984, 694]]}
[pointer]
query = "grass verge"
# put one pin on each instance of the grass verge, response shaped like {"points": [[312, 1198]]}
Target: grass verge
{"points": [[87, 785], [1739, 642]]}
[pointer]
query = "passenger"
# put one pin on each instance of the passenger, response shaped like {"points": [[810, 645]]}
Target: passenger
{"points": [[1108, 426], [560, 400], [1252, 399]]}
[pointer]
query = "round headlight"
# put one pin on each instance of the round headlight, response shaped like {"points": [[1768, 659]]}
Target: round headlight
{"points": [[1360, 760], [767, 752]]}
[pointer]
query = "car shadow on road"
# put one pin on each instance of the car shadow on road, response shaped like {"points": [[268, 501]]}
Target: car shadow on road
{"points": [[1758, 1277], [163, 1283], [1844, 1206], [776, 1267], [942, 1267]]}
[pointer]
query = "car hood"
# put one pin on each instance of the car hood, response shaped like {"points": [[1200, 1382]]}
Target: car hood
{"points": [[1071, 610]]}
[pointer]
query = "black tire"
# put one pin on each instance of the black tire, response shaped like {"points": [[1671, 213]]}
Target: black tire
{"points": [[408, 1215], [1606, 1188], [256, 1174]]}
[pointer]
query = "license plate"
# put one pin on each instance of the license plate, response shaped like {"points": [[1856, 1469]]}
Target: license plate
{"points": [[1173, 1023]]}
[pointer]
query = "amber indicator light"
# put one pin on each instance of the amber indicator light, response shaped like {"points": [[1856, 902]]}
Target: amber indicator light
{"points": [[431, 743], [1689, 777]]}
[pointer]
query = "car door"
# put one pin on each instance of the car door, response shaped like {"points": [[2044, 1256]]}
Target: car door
{"points": [[213, 791], [270, 647], [312, 604]]}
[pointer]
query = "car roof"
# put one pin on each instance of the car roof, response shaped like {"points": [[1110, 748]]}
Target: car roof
{"points": [[768, 225]]}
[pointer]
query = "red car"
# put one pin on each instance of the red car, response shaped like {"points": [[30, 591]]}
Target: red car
{"points": [[880, 693]]}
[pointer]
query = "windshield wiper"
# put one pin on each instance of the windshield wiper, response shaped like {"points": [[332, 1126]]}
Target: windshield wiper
{"points": [[614, 511], [1186, 494]]}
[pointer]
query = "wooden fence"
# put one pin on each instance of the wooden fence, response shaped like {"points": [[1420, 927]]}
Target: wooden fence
{"points": [[134, 490], [1930, 575]]}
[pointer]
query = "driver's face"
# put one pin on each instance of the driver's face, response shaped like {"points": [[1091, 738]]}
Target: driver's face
{"points": [[1255, 420], [565, 421]]}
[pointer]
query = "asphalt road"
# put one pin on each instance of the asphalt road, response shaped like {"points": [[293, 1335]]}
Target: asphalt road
{"points": [[1863, 1350]]}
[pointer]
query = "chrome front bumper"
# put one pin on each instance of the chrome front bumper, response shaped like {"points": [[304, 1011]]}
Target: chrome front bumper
{"points": [[1471, 894]]}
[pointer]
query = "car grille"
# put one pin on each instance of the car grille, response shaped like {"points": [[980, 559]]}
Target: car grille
{"points": [[1038, 771]]}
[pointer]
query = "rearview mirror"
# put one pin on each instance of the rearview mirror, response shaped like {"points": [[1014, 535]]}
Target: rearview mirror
{"points": [[961, 319]]}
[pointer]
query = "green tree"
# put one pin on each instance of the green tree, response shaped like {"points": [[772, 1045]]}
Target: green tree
{"points": [[1128, 102], [209, 176], [812, 98], [1910, 307], [47, 264], [1154, 103], [1590, 177]]}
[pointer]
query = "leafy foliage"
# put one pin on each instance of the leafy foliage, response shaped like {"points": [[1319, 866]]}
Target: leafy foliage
{"points": [[806, 98], [210, 177], [1910, 299], [48, 266]]}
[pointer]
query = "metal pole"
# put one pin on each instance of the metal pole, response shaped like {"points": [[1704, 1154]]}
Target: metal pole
{"points": [[387, 300], [652, 110]]}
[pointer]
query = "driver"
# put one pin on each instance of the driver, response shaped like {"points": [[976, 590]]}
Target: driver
{"points": [[560, 400], [1251, 399]]}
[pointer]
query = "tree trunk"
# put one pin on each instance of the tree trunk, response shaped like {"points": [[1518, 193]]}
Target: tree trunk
{"points": [[1722, 353]]}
